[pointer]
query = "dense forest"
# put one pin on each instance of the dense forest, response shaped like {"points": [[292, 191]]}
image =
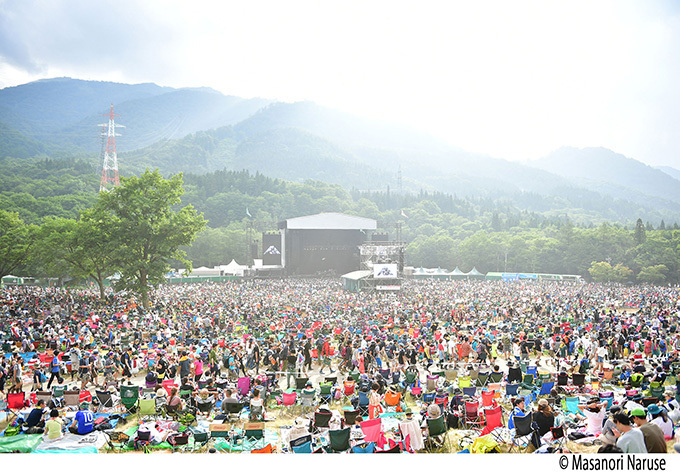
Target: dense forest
{"points": [[441, 230]]}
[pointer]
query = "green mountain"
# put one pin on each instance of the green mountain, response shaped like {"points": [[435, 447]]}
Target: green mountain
{"points": [[202, 131], [66, 114]]}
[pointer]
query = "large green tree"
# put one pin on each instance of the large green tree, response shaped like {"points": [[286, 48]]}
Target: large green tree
{"points": [[16, 240], [147, 230], [79, 249]]}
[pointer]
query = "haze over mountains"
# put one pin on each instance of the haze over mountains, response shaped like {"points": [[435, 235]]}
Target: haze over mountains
{"points": [[201, 130]]}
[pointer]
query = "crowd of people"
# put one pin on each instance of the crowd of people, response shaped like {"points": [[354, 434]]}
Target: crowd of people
{"points": [[199, 332]]}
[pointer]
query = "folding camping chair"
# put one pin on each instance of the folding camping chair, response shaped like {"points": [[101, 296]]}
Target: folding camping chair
{"points": [[264, 450], [300, 383], [16, 402], [473, 375], [307, 399], [326, 392], [482, 379], [528, 382], [147, 408], [546, 387], [437, 432], [464, 382], [523, 431], [472, 420], [470, 392], [129, 396], [363, 403], [511, 389], [533, 370], [349, 417], [253, 433], [105, 401], [320, 420], [372, 430], [71, 398], [578, 380], [288, 401], [495, 377], [339, 440], [559, 438], [514, 375], [607, 397], [451, 375], [571, 405], [233, 409], [432, 382], [488, 399], [392, 400], [58, 391], [168, 385], [494, 425], [218, 430], [348, 390], [411, 379]]}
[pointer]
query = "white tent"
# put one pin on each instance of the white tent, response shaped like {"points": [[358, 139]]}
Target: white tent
{"points": [[233, 268]]}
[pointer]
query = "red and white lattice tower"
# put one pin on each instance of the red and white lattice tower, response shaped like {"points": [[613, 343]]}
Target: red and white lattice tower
{"points": [[110, 165]]}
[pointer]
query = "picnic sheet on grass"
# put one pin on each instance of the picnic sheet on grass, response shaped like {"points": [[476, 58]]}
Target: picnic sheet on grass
{"points": [[21, 443], [270, 437], [71, 443]]}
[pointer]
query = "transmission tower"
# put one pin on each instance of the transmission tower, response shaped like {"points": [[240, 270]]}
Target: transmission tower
{"points": [[110, 163]]}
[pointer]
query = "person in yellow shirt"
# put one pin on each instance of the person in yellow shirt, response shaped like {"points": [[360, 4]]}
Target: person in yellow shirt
{"points": [[54, 426]]}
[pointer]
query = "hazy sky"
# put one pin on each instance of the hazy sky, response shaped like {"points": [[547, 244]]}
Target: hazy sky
{"points": [[513, 79]]}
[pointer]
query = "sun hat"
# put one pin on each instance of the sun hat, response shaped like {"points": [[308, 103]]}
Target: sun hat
{"points": [[654, 409]]}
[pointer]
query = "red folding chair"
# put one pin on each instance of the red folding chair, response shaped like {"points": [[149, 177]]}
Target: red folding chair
{"points": [[16, 402], [494, 423], [85, 396], [488, 398], [372, 430], [348, 390], [168, 385], [472, 420]]}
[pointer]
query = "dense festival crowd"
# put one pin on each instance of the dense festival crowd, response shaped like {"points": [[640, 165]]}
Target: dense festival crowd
{"points": [[195, 333]]}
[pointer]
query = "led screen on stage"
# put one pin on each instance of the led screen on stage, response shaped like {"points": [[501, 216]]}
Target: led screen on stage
{"points": [[271, 249]]}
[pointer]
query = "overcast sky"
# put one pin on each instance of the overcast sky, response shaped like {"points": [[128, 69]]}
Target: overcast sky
{"points": [[513, 79]]}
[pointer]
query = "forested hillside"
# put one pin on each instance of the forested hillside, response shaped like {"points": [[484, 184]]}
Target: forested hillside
{"points": [[440, 229]]}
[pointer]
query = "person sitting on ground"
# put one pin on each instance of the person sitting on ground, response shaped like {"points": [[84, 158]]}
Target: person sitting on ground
{"points": [[630, 439], [595, 412], [658, 416], [653, 435], [35, 420], [54, 426], [607, 436], [83, 421]]}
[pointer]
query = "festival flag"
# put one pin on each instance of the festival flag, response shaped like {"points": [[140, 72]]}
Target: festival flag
{"points": [[404, 214]]}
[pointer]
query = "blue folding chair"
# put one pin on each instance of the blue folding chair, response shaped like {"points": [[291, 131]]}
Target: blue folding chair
{"points": [[511, 389], [470, 391], [546, 388]]}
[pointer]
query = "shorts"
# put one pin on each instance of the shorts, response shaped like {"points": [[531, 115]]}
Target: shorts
{"points": [[600, 360]]}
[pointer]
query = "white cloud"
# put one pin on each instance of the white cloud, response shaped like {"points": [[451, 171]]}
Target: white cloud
{"points": [[512, 79]]}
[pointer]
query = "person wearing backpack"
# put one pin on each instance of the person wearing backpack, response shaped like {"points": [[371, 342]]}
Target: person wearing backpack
{"points": [[54, 370]]}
